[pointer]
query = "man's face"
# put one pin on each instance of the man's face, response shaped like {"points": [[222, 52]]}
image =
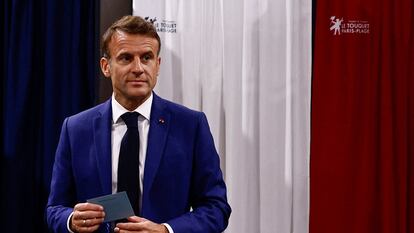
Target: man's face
{"points": [[133, 67]]}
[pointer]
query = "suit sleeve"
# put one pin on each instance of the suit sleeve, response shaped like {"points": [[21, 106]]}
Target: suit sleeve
{"points": [[61, 196], [210, 210]]}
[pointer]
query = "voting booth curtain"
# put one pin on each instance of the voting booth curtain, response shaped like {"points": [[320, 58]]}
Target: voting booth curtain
{"points": [[48, 72], [247, 65], [362, 167]]}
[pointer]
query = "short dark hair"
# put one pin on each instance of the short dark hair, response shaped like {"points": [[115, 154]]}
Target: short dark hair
{"points": [[129, 24]]}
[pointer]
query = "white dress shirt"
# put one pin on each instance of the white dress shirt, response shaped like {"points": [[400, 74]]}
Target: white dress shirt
{"points": [[118, 130]]}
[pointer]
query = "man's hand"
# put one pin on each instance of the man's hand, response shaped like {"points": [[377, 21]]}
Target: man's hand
{"points": [[86, 217], [137, 224]]}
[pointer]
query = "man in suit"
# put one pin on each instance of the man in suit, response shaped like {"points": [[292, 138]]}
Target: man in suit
{"points": [[179, 184]]}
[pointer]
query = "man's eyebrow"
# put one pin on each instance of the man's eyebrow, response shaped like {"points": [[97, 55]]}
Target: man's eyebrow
{"points": [[150, 52], [124, 54]]}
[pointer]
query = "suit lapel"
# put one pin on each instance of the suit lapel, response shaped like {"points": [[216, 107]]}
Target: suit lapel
{"points": [[157, 137], [102, 142]]}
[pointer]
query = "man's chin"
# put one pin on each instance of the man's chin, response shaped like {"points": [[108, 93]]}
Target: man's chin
{"points": [[140, 95]]}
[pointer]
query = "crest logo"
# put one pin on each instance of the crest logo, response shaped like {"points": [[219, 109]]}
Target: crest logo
{"points": [[339, 26], [166, 26], [336, 25], [151, 20]]}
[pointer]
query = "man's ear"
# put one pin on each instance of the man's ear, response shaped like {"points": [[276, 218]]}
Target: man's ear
{"points": [[158, 65], [105, 67]]}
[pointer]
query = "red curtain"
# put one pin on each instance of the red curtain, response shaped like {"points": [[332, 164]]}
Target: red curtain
{"points": [[362, 129]]}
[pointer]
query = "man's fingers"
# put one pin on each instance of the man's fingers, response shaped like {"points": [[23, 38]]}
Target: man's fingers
{"points": [[144, 225], [91, 222], [87, 217], [88, 225], [134, 223], [136, 219], [130, 226], [81, 215], [88, 206]]}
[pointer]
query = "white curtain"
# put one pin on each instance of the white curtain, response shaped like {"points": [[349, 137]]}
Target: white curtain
{"points": [[247, 65]]}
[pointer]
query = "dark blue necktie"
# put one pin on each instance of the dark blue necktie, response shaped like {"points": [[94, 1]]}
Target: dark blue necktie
{"points": [[128, 166]]}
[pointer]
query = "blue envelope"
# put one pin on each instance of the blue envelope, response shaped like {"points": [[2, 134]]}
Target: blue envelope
{"points": [[116, 206]]}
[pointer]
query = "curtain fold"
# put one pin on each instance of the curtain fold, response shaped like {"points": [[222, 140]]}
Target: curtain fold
{"points": [[362, 116], [49, 71], [247, 65]]}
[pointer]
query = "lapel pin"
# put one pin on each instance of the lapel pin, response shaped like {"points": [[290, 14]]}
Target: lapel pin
{"points": [[161, 121]]}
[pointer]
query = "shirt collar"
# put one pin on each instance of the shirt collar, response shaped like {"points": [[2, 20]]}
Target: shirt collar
{"points": [[144, 109]]}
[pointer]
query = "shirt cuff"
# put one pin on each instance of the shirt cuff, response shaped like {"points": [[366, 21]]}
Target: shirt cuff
{"points": [[170, 230], [68, 223]]}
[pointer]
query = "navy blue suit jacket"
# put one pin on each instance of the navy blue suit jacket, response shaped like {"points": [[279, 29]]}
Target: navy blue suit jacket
{"points": [[182, 169]]}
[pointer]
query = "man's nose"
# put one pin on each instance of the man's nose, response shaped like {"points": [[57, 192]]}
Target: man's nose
{"points": [[137, 66]]}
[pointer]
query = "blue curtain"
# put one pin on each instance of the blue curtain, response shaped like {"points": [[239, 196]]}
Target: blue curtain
{"points": [[49, 71]]}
